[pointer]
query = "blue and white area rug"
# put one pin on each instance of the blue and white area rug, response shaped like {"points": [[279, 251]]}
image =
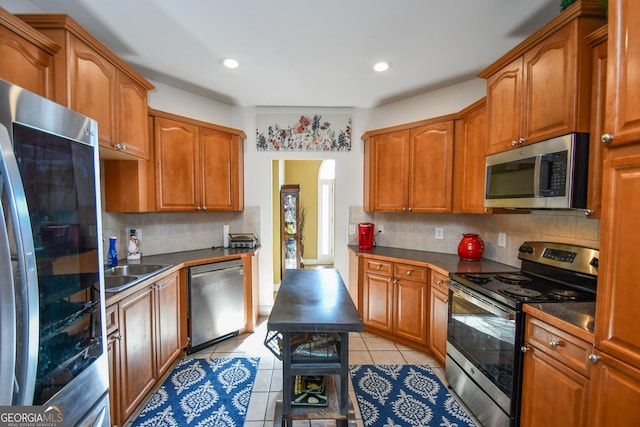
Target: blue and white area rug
{"points": [[202, 392], [405, 395]]}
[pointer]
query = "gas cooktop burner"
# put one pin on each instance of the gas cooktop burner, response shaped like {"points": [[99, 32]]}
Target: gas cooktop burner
{"points": [[514, 279], [522, 292], [478, 278]]}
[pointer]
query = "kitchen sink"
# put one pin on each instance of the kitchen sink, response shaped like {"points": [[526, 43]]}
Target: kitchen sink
{"points": [[133, 269], [121, 277]]}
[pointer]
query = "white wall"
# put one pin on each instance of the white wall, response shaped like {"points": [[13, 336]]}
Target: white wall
{"points": [[349, 165]]}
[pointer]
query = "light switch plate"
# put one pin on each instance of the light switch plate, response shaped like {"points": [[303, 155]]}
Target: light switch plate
{"points": [[502, 240]]}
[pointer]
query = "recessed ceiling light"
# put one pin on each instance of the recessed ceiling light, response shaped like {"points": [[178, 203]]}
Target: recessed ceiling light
{"points": [[381, 66], [229, 63]]}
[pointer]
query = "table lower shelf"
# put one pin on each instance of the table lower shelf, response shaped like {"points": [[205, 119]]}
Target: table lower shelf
{"points": [[313, 413]]}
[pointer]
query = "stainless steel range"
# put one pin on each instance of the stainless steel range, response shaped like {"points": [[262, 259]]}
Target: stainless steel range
{"points": [[486, 323]]}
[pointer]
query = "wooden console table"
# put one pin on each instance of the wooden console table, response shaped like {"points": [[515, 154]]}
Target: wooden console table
{"points": [[317, 302]]}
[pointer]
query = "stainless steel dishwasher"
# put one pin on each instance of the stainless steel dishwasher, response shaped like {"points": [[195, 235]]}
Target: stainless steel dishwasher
{"points": [[216, 302]]}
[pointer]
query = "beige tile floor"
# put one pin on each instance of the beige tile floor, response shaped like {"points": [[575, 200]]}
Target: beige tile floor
{"points": [[364, 348]]}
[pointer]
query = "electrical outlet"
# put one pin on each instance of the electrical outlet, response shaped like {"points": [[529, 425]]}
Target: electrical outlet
{"points": [[380, 229], [502, 240], [139, 234], [439, 233], [352, 229]]}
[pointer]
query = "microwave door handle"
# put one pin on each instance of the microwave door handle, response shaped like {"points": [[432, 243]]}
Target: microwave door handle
{"points": [[12, 183], [536, 175]]}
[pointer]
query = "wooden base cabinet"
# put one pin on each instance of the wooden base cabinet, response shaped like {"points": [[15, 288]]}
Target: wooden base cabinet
{"points": [[145, 344], [557, 367], [439, 306], [395, 300]]}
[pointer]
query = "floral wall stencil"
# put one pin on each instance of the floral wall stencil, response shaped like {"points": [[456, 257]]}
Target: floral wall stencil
{"points": [[286, 132]]}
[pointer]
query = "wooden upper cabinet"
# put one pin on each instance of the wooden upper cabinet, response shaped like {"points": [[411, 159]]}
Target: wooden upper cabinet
{"points": [[469, 159], [598, 42], [27, 56], [386, 172], [409, 168], [92, 88], [92, 80], [623, 84], [431, 168], [177, 156], [199, 166], [542, 87]]}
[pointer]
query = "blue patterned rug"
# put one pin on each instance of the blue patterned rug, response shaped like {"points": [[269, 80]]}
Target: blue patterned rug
{"points": [[202, 392], [405, 395]]}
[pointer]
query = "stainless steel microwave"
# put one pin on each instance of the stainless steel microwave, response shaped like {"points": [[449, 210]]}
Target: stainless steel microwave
{"points": [[550, 174]]}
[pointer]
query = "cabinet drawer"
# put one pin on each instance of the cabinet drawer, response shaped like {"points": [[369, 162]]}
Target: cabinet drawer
{"points": [[111, 318], [560, 345], [379, 267], [410, 272], [439, 281]]}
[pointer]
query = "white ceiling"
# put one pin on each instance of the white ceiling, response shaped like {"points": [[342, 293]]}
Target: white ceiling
{"points": [[305, 53]]}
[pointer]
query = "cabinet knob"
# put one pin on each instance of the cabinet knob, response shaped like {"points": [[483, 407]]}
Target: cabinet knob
{"points": [[378, 267], [439, 282], [522, 141], [514, 143], [204, 208], [198, 208], [588, 212], [410, 209], [606, 138], [121, 147], [554, 343], [120, 337], [446, 300], [524, 349], [404, 209], [409, 273], [389, 280], [594, 358]]}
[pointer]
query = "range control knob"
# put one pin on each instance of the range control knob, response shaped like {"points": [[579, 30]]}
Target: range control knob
{"points": [[526, 249], [594, 262]]}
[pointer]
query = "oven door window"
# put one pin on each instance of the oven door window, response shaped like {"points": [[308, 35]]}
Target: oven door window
{"points": [[486, 336]]}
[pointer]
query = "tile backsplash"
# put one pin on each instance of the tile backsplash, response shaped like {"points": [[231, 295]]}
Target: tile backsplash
{"points": [[167, 232], [417, 231]]}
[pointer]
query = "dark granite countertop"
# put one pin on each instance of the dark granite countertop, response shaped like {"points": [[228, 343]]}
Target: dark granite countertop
{"points": [[195, 257], [578, 314], [314, 300], [448, 262]]}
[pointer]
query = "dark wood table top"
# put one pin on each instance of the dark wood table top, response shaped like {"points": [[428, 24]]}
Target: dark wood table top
{"points": [[314, 300]]}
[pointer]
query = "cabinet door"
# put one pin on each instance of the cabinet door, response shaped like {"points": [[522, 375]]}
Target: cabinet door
{"points": [[598, 106], [552, 394], [623, 84], [616, 331], [113, 353], [615, 394], [167, 322], [133, 116], [220, 170], [25, 64], [137, 350], [439, 306], [470, 150], [504, 106], [386, 181], [551, 87], [411, 309], [177, 157], [431, 168], [92, 89], [378, 302]]}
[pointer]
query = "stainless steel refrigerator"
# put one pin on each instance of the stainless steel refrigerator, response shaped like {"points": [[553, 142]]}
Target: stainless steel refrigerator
{"points": [[52, 333]]}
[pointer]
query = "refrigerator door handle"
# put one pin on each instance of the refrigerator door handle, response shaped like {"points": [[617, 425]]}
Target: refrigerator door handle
{"points": [[28, 290], [7, 317]]}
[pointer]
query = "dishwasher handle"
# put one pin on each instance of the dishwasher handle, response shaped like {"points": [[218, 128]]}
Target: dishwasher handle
{"points": [[203, 269]]}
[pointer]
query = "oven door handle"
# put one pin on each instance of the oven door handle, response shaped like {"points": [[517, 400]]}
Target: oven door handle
{"points": [[482, 303]]}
